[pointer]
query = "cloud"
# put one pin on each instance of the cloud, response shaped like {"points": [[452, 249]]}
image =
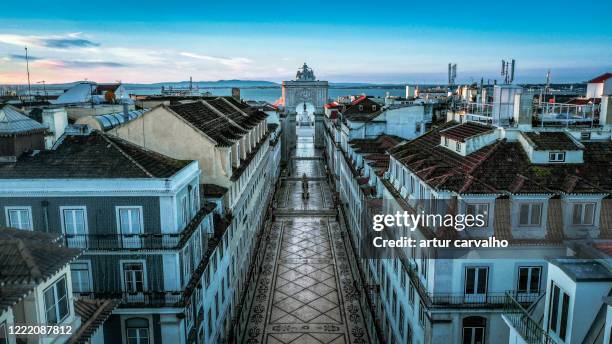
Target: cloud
{"points": [[22, 57], [56, 41], [50, 63], [234, 62]]}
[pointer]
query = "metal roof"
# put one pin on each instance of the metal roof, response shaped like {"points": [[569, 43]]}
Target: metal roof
{"points": [[13, 121], [112, 120]]}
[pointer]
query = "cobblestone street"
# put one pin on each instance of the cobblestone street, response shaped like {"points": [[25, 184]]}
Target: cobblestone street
{"points": [[305, 291]]}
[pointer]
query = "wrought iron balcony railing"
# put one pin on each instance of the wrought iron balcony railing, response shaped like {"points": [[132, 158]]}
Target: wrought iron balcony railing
{"points": [[123, 241], [529, 329], [140, 241], [487, 300], [144, 299]]}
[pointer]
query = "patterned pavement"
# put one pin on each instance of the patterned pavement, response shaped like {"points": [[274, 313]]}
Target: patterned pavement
{"points": [[305, 291]]}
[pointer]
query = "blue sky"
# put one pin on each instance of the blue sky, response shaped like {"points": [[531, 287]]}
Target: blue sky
{"points": [[344, 41]]}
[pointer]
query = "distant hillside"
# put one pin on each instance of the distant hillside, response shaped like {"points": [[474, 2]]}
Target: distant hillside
{"points": [[209, 84]]}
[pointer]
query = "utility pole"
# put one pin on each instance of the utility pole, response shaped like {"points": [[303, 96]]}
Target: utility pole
{"points": [[28, 71]]}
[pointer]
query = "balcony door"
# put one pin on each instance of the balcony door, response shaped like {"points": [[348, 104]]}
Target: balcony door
{"points": [[74, 226], [476, 281], [133, 278], [474, 330], [130, 226]]}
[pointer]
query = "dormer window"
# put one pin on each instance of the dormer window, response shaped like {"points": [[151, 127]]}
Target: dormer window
{"points": [[556, 157], [583, 214], [373, 107], [458, 147]]}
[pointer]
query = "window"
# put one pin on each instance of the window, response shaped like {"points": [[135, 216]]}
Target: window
{"points": [[556, 157], [529, 279], [137, 331], [458, 146], [19, 217], [401, 320], [360, 107], [412, 190], [446, 142], [476, 280], [129, 225], [187, 262], [411, 294], [194, 200], [74, 220], [424, 263], [133, 277], [474, 330], [80, 273], [479, 209], [559, 305], [583, 214], [56, 302], [530, 214], [184, 210], [74, 225], [409, 334], [422, 314], [129, 220]]}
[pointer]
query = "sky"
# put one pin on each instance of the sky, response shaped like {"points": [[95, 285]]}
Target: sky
{"points": [[343, 41]]}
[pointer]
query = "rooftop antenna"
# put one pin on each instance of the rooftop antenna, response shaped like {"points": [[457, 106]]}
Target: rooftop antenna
{"points": [[28, 71], [44, 88], [507, 71]]}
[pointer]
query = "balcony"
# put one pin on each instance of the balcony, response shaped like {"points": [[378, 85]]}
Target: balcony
{"points": [[146, 299], [122, 241], [478, 109], [140, 241], [517, 317], [557, 114], [488, 300]]}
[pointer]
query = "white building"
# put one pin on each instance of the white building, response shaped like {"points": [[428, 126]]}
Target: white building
{"points": [[537, 187]]}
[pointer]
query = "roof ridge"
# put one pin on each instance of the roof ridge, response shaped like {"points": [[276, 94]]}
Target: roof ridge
{"points": [[486, 156], [215, 110], [125, 154], [234, 106]]}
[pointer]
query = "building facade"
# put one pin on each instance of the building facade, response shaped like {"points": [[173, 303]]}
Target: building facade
{"points": [[537, 188]]}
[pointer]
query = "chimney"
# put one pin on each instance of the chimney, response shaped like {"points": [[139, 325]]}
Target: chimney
{"points": [[57, 121], [236, 93], [126, 112]]}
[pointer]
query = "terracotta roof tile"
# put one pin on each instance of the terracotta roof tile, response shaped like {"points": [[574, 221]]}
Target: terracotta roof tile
{"points": [[96, 155]]}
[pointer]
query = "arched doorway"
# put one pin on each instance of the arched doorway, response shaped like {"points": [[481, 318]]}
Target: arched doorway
{"points": [[305, 129]]}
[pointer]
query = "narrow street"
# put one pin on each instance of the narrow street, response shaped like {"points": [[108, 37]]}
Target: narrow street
{"points": [[305, 291]]}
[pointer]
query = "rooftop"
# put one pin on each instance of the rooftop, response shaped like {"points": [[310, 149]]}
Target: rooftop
{"points": [[28, 258], [584, 270], [503, 167], [601, 78], [225, 128], [13, 121], [362, 109], [93, 156], [548, 140], [93, 314], [466, 130]]}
